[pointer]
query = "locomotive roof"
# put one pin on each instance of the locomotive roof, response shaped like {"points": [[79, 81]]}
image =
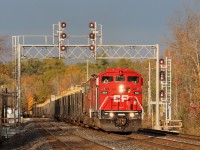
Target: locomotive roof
{"points": [[116, 70]]}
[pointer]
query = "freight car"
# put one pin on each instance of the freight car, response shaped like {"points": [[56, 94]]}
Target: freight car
{"points": [[111, 101]]}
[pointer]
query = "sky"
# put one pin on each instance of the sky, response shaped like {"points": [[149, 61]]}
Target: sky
{"points": [[124, 21]]}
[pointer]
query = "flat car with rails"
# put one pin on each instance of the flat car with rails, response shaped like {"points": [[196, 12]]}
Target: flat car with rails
{"points": [[111, 101]]}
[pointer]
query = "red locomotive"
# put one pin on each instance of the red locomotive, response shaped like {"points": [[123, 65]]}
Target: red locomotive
{"points": [[111, 101]]}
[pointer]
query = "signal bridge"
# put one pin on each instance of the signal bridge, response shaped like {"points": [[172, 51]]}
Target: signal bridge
{"points": [[43, 46]]}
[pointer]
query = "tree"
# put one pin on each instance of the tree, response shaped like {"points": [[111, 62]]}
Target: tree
{"points": [[185, 53]]}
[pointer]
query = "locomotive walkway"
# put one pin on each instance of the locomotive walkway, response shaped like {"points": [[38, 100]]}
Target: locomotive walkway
{"points": [[46, 134]]}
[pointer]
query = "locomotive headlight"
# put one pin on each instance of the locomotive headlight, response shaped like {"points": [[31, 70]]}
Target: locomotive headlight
{"points": [[121, 88], [111, 114], [131, 115]]}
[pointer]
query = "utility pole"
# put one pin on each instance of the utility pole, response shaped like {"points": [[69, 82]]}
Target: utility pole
{"points": [[19, 82]]}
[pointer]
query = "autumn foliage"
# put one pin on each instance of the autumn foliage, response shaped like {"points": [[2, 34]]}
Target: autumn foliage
{"points": [[184, 49]]}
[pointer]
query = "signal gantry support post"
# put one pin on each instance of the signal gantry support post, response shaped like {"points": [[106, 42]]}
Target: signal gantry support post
{"points": [[157, 126]]}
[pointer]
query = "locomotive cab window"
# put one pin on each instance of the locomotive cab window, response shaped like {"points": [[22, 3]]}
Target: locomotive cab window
{"points": [[105, 79], [133, 79], [120, 78]]}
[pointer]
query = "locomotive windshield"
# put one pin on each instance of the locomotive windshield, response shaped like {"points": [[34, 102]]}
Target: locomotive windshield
{"points": [[120, 78], [105, 79], [133, 79]]}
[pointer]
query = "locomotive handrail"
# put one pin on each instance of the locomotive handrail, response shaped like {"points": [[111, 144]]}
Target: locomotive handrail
{"points": [[103, 102], [140, 106]]}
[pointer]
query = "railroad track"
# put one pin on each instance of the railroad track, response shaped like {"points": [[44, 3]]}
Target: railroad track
{"points": [[42, 134], [60, 139], [166, 140], [153, 139]]}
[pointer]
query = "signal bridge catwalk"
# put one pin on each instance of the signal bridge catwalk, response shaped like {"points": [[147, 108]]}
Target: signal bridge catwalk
{"points": [[44, 51]]}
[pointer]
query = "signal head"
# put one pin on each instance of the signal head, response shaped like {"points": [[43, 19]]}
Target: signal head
{"points": [[63, 48], [92, 25], [63, 25], [63, 35], [162, 94], [91, 35], [92, 47], [162, 75], [162, 61]]}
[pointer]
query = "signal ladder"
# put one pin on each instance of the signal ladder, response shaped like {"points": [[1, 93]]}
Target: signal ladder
{"points": [[166, 95], [166, 86]]}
